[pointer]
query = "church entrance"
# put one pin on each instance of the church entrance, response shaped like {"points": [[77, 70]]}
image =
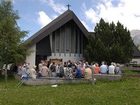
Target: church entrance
{"points": [[43, 50]]}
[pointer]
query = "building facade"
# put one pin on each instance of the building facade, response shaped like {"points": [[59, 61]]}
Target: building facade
{"points": [[64, 38]]}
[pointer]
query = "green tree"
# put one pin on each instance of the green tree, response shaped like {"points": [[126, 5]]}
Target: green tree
{"points": [[110, 43], [11, 37], [90, 47]]}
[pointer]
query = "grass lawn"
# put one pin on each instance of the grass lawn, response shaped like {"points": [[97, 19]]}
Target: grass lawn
{"points": [[132, 72], [124, 92]]}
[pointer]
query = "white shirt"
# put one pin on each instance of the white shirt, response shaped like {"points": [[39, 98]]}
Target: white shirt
{"points": [[33, 73], [111, 69]]}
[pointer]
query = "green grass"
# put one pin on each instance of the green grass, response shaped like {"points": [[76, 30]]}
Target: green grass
{"points": [[127, 72], [124, 92]]}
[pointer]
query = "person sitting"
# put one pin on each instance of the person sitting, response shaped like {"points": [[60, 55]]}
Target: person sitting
{"points": [[78, 73], [96, 68], [69, 63], [118, 69], [82, 71], [19, 70], [111, 69], [44, 71], [88, 73], [33, 72], [53, 69], [40, 65], [24, 73], [58, 70], [61, 70], [103, 68]]}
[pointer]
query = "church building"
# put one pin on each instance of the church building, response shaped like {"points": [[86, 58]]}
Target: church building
{"points": [[64, 39]]}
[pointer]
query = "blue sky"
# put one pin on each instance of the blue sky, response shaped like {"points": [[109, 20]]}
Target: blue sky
{"points": [[35, 14]]}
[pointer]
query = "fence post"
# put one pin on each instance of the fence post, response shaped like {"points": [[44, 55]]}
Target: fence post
{"points": [[92, 79], [5, 73]]}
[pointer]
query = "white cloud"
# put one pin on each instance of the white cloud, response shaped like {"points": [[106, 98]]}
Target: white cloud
{"points": [[57, 7], [127, 12], [43, 18], [91, 15]]}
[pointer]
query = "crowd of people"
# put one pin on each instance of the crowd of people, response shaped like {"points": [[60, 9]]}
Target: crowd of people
{"points": [[67, 70]]}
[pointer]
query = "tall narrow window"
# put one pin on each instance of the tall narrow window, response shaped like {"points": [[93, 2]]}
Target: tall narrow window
{"points": [[53, 42], [62, 41], [80, 41], [77, 40], [57, 41]]}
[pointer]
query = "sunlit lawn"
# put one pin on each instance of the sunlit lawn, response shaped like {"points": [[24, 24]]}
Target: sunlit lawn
{"points": [[124, 92]]}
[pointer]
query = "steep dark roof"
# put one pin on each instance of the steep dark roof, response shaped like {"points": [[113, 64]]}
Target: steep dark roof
{"points": [[136, 52], [55, 24]]}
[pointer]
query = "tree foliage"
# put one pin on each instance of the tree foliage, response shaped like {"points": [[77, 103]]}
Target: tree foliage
{"points": [[110, 43], [11, 45]]}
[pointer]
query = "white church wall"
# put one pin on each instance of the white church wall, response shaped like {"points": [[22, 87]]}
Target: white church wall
{"points": [[32, 55], [66, 56], [137, 60]]}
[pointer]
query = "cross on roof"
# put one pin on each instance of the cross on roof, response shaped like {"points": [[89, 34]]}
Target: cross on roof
{"points": [[68, 6]]}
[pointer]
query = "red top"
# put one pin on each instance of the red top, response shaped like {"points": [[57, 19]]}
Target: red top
{"points": [[96, 70]]}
